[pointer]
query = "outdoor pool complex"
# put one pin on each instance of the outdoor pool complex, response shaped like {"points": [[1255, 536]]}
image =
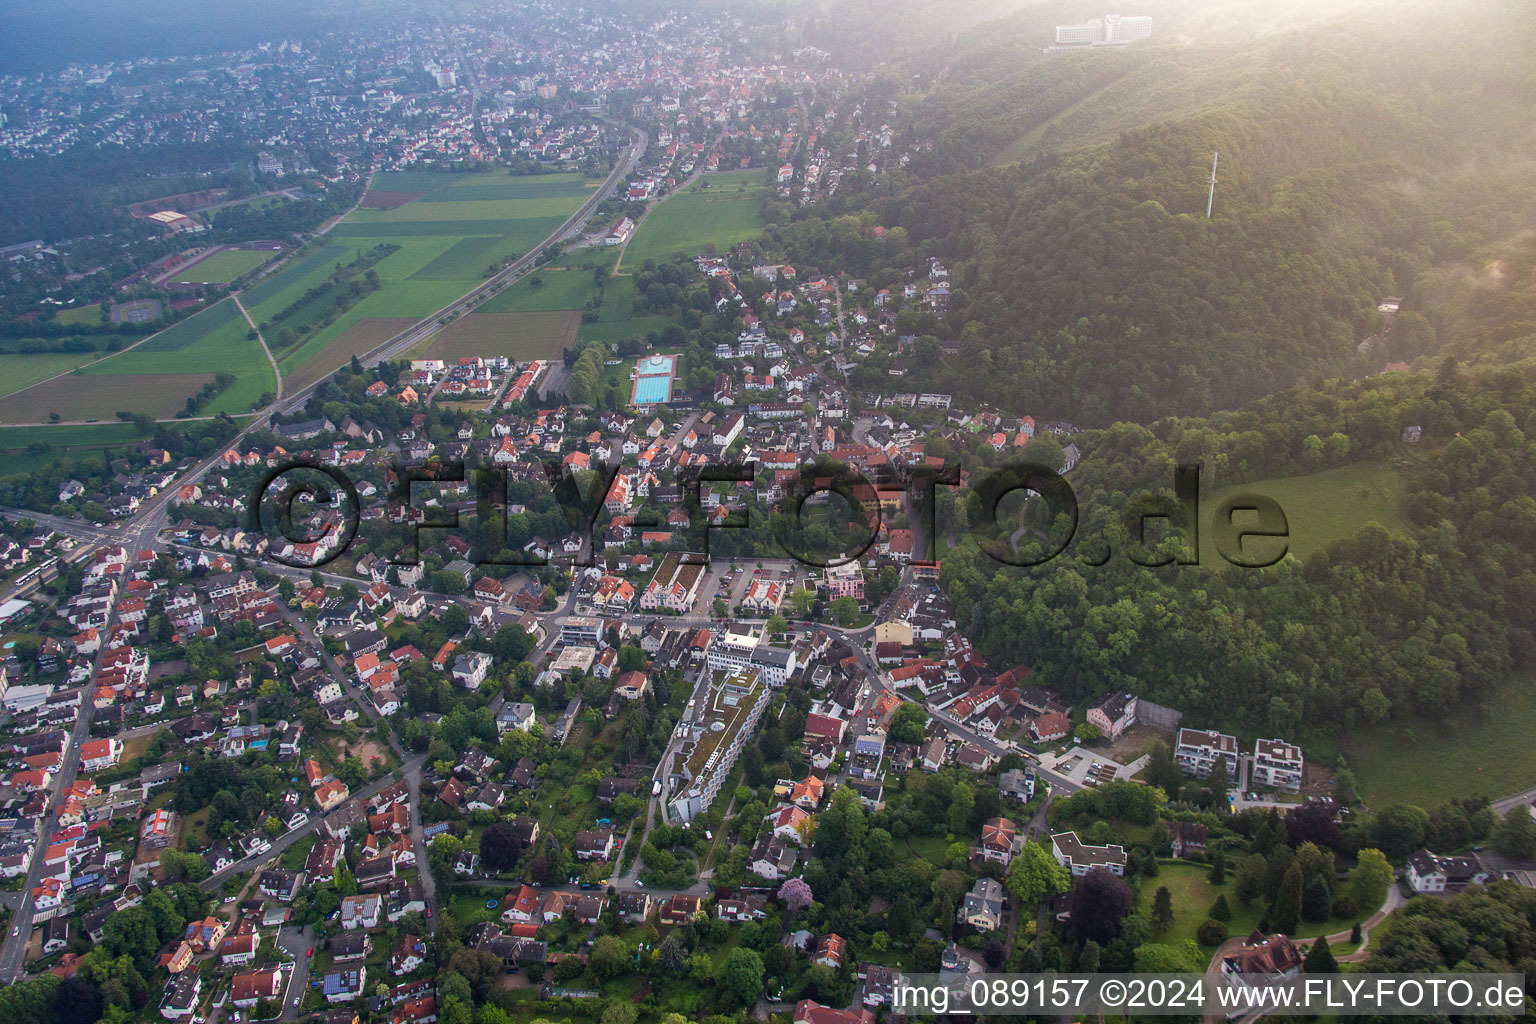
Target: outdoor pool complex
{"points": [[653, 380]]}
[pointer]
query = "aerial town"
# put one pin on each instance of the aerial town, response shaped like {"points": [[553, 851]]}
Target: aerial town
{"points": [[511, 545]]}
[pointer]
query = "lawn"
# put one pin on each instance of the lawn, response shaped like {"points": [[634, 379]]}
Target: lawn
{"points": [[1192, 898], [1321, 508], [727, 211], [933, 849], [224, 266], [618, 330], [1483, 749], [79, 315]]}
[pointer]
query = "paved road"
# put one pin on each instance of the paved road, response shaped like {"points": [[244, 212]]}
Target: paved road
{"points": [[296, 942]]}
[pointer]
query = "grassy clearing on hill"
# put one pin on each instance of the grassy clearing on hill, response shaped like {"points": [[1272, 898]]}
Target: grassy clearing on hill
{"points": [[1321, 508], [1483, 750]]}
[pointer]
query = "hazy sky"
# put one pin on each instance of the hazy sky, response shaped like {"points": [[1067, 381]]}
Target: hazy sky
{"points": [[42, 35]]}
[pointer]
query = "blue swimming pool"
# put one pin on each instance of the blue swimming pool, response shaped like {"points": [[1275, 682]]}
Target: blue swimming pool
{"points": [[653, 390], [653, 380]]}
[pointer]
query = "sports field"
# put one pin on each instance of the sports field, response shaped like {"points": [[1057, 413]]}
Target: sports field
{"points": [[520, 336], [718, 210], [223, 266], [80, 315], [1320, 508]]}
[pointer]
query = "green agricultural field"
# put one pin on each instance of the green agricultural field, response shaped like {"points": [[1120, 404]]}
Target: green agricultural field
{"points": [[194, 328], [473, 221], [618, 330], [479, 186], [549, 186], [727, 212], [221, 347], [296, 277], [1484, 749], [20, 371], [69, 436], [448, 207], [155, 377], [555, 289], [465, 259], [223, 267], [1320, 508]]}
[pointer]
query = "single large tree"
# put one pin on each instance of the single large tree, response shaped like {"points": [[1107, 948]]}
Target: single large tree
{"points": [[1316, 900], [796, 896], [1320, 958], [1370, 880], [743, 974], [500, 847], [1285, 914], [1162, 910], [1100, 902], [1516, 834], [1034, 875], [672, 955], [1250, 877]]}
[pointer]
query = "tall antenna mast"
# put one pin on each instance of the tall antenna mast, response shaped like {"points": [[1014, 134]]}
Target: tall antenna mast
{"points": [[1211, 198]]}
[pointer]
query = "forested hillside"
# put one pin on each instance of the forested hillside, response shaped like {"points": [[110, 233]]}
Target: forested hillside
{"points": [[1356, 154], [1380, 626]]}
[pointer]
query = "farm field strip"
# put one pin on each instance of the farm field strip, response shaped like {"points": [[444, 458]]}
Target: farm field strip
{"points": [[317, 263], [82, 396], [19, 371], [308, 364], [520, 336], [193, 329]]}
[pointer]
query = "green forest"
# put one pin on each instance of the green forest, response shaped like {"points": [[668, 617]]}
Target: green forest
{"points": [[1377, 626], [1356, 156]]}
